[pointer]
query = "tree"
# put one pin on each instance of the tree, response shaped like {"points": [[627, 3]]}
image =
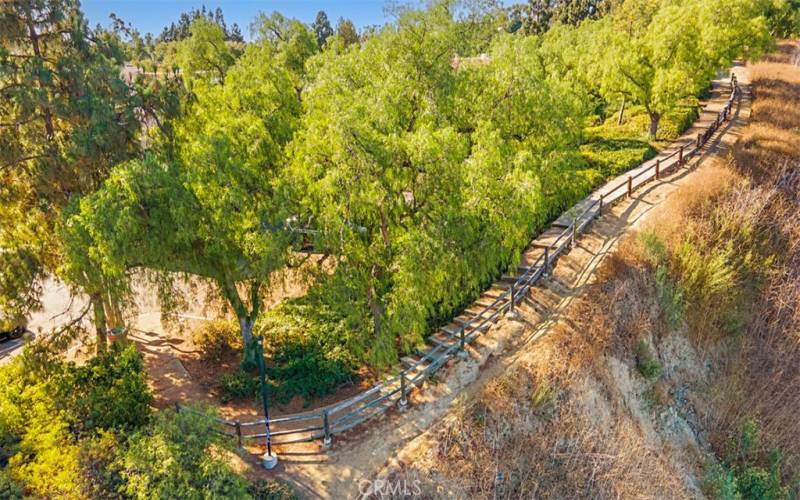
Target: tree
{"points": [[346, 31], [65, 118], [291, 41], [423, 187], [236, 34], [204, 55], [214, 209], [658, 54], [322, 28]]}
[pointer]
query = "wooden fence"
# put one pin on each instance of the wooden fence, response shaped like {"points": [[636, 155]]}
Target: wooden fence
{"points": [[324, 423]]}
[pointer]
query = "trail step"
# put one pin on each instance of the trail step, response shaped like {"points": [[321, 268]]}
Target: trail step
{"points": [[439, 341]]}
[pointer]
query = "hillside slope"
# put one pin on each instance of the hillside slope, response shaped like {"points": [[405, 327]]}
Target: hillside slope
{"points": [[674, 372]]}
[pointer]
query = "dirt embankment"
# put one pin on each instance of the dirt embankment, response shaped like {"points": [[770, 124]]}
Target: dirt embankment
{"points": [[674, 372]]}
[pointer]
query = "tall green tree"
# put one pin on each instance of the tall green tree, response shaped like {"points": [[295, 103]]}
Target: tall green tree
{"points": [[658, 54], [204, 55], [215, 208], [65, 118], [422, 180], [322, 28], [346, 30]]}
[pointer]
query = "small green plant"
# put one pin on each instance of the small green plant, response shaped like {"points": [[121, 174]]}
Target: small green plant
{"points": [[238, 385], [646, 362], [216, 338], [746, 472], [543, 396], [670, 297]]}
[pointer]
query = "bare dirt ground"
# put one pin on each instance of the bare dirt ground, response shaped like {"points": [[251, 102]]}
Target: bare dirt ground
{"points": [[357, 457]]}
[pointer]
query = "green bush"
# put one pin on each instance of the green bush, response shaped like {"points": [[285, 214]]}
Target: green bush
{"points": [[179, 456], [612, 156], [670, 297], [109, 392], [216, 338], [645, 361], [238, 385], [9, 489], [304, 369], [746, 472]]}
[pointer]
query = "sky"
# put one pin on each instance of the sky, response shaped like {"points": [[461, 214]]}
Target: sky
{"points": [[152, 15]]}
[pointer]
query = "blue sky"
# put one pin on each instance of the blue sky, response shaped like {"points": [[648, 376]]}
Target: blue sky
{"points": [[153, 15]]}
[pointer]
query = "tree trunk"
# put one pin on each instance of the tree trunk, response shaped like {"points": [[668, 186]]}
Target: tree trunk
{"points": [[654, 119], [375, 306], [621, 111], [246, 325], [100, 323]]}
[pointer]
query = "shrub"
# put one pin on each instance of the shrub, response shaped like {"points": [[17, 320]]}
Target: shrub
{"points": [[108, 392], [271, 489], [97, 458], [746, 472], [179, 456], [670, 298], [238, 385], [216, 338], [646, 362], [304, 369], [9, 488]]}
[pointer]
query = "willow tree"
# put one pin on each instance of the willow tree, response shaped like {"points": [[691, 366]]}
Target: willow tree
{"points": [[205, 54], [65, 118], [216, 209], [659, 53], [422, 179]]}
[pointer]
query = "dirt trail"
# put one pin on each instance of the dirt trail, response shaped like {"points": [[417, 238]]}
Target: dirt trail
{"points": [[344, 470]]}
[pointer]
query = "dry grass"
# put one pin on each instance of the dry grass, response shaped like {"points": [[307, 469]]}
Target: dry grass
{"points": [[761, 378], [553, 425]]}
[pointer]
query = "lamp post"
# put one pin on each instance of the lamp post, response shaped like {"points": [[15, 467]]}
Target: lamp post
{"points": [[269, 460]]}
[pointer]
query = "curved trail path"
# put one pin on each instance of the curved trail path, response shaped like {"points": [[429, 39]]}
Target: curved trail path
{"points": [[361, 455]]}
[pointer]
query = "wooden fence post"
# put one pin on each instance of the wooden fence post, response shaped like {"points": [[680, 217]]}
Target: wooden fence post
{"points": [[403, 400], [680, 157], [546, 262], [699, 140], [574, 232], [239, 435], [326, 440], [513, 291], [658, 169], [630, 186], [462, 343], [600, 210]]}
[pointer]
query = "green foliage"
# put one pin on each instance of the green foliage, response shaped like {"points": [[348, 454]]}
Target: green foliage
{"points": [[746, 471], [611, 157], [271, 489], [646, 363], [305, 369], [204, 55], [238, 385], [670, 297], [179, 456], [9, 488], [109, 392], [216, 338]]}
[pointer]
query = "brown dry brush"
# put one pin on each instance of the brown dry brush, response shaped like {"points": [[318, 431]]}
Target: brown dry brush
{"points": [[762, 379]]}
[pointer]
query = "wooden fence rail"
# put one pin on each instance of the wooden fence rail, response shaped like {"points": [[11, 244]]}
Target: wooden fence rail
{"points": [[324, 423]]}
